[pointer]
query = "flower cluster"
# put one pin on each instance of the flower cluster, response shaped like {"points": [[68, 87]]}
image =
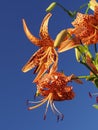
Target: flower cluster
{"points": [[52, 85]]}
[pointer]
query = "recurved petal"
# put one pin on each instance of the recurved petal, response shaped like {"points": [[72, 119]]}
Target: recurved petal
{"points": [[44, 28], [34, 60], [29, 65], [68, 44], [30, 36]]}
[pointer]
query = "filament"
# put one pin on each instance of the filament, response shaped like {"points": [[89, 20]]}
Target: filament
{"points": [[46, 110], [56, 109], [38, 105]]}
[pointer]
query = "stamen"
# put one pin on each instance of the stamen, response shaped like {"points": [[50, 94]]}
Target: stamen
{"points": [[61, 115], [46, 110], [44, 117], [51, 105], [36, 101], [94, 94], [38, 105], [58, 118], [56, 111]]}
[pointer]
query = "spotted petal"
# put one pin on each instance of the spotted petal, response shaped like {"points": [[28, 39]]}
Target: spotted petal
{"points": [[68, 44], [30, 36], [34, 60], [44, 27], [44, 34]]}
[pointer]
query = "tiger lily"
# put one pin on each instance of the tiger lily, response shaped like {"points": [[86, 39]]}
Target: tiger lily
{"points": [[53, 87], [86, 27], [46, 56]]}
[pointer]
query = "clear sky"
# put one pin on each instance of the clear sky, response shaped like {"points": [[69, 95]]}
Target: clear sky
{"points": [[16, 87]]}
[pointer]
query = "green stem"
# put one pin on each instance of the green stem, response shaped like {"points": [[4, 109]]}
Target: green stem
{"points": [[95, 46], [86, 12], [86, 77], [83, 61], [67, 11], [83, 77], [70, 13], [82, 6]]}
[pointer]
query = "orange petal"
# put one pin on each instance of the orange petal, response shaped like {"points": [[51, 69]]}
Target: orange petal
{"points": [[92, 4], [29, 65], [42, 70], [96, 12], [31, 37], [68, 44], [44, 27], [35, 59]]}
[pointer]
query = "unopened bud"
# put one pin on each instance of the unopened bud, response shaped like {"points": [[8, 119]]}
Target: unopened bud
{"points": [[78, 54], [60, 37], [51, 7]]}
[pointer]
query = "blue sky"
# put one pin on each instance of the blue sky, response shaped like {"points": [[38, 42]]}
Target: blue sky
{"points": [[16, 87]]}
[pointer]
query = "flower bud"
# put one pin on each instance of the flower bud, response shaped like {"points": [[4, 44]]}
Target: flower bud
{"points": [[78, 54], [60, 37], [51, 7]]}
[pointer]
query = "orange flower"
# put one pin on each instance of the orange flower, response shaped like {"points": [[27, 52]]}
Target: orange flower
{"points": [[86, 27], [46, 56], [53, 87]]}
